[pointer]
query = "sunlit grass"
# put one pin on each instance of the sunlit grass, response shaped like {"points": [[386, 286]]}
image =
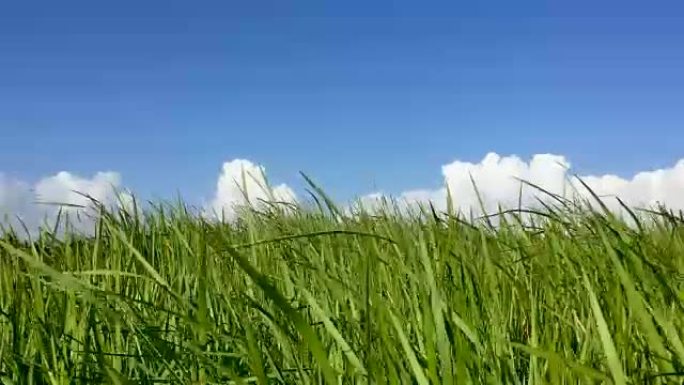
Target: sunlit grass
{"points": [[567, 295]]}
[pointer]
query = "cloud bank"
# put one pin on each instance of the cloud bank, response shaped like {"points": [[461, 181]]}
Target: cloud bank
{"points": [[243, 183], [37, 204], [497, 180]]}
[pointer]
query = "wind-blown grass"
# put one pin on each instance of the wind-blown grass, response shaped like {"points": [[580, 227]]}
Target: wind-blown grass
{"points": [[568, 295]]}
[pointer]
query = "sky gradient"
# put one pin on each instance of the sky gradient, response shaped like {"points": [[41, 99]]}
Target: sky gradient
{"points": [[361, 96]]}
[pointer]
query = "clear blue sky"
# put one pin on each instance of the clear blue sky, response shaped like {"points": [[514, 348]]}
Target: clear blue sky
{"points": [[356, 93]]}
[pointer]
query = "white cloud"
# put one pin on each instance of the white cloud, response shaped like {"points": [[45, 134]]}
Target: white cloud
{"points": [[497, 181], [65, 188], [37, 204], [14, 197], [241, 184]]}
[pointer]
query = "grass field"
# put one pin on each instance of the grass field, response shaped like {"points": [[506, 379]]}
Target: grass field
{"points": [[569, 295]]}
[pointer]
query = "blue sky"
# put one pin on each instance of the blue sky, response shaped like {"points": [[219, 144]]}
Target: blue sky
{"points": [[357, 94]]}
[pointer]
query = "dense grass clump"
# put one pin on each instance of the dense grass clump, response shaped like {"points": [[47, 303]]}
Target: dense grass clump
{"points": [[564, 296]]}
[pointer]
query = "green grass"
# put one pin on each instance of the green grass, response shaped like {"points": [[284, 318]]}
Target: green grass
{"points": [[568, 295]]}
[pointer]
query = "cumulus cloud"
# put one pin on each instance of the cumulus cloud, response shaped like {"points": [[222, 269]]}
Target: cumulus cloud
{"points": [[39, 203], [497, 181], [241, 183], [244, 184]]}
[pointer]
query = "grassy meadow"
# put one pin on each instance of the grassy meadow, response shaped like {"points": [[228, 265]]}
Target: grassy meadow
{"points": [[566, 295]]}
